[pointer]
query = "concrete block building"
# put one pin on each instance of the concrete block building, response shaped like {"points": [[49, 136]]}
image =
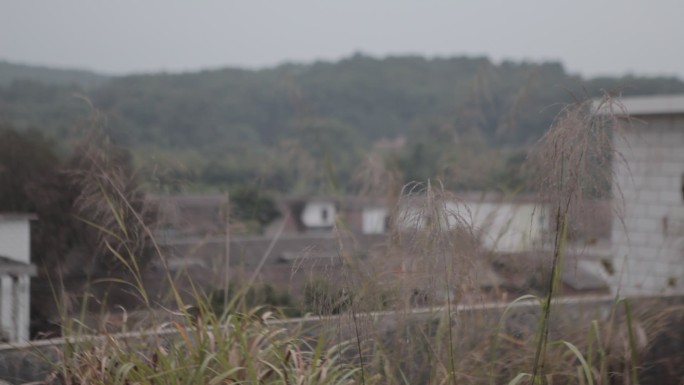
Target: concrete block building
{"points": [[648, 230]]}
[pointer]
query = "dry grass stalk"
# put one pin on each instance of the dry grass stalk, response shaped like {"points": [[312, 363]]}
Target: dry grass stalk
{"points": [[434, 253]]}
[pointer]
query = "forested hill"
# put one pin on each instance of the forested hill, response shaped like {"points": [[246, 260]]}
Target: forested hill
{"points": [[225, 126], [10, 72]]}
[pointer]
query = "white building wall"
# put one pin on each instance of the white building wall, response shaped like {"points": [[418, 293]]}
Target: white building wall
{"points": [[409, 218], [374, 220], [319, 214], [648, 235], [22, 309], [501, 227], [14, 308], [505, 227], [7, 326], [15, 239]]}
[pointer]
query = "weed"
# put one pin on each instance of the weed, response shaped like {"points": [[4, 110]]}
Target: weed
{"points": [[415, 312]]}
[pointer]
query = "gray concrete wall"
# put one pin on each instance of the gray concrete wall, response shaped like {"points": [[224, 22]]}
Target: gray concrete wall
{"points": [[648, 232]]}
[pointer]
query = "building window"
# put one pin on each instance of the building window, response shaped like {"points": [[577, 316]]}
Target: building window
{"points": [[324, 215]]}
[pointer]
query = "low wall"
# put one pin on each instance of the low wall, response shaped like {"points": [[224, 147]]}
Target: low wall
{"points": [[20, 363]]}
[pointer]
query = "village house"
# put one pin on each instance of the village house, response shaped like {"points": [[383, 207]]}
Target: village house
{"points": [[648, 232], [16, 271], [501, 224], [320, 214], [318, 232], [195, 238], [194, 228], [514, 237]]}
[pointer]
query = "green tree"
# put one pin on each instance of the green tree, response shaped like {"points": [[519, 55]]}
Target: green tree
{"points": [[325, 153], [89, 207], [110, 205], [26, 160], [252, 207], [32, 180]]}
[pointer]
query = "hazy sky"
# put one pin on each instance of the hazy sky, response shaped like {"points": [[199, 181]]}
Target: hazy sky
{"points": [[589, 37]]}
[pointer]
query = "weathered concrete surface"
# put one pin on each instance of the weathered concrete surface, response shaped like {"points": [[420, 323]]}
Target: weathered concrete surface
{"points": [[470, 323]]}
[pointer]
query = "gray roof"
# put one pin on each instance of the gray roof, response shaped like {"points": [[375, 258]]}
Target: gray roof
{"points": [[642, 105]]}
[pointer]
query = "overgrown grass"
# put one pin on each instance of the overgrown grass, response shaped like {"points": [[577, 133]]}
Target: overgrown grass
{"points": [[414, 313]]}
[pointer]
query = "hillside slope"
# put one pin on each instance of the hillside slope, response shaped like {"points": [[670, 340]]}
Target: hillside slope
{"points": [[281, 124], [10, 72]]}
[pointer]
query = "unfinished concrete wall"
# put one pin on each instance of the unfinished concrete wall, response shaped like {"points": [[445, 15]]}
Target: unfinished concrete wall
{"points": [[648, 232]]}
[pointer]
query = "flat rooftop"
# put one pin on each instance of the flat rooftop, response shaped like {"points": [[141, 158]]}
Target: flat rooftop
{"points": [[642, 105]]}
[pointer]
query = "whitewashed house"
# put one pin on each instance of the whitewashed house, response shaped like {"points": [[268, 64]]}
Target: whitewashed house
{"points": [[319, 214], [507, 227], [374, 219], [360, 215], [15, 272], [502, 226], [648, 236]]}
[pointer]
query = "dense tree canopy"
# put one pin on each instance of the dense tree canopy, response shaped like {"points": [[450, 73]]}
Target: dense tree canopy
{"points": [[297, 127], [25, 160], [89, 206]]}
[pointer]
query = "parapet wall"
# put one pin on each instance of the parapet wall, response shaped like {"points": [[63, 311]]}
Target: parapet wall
{"points": [[470, 323]]}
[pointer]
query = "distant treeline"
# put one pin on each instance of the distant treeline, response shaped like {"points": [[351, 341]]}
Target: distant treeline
{"points": [[302, 128]]}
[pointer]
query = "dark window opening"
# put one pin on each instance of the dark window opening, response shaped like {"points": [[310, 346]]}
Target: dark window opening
{"points": [[608, 265], [324, 215]]}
